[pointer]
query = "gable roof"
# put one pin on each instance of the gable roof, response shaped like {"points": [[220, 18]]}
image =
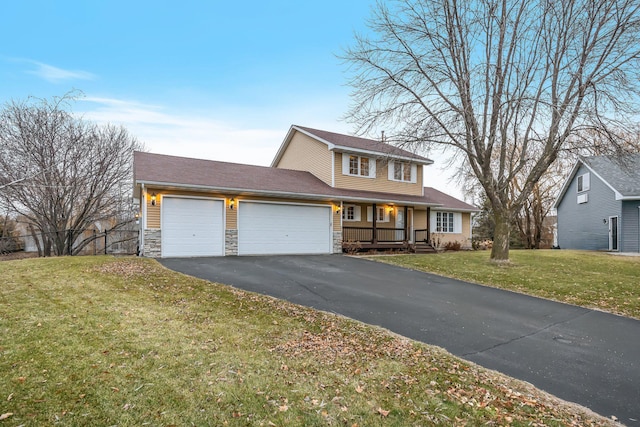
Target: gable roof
{"points": [[352, 144], [622, 175], [235, 178]]}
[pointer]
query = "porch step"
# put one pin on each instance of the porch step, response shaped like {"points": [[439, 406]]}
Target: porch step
{"points": [[423, 248]]}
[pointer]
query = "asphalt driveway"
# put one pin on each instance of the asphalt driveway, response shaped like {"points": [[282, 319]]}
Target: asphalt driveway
{"points": [[580, 355]]}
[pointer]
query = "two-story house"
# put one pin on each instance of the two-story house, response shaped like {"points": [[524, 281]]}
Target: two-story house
{"points": [[599, 205], [323, 192]]}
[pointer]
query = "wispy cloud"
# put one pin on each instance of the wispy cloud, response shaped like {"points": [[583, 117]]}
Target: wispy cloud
{"points": [[210, 136], [167, 132], [56, 74]]}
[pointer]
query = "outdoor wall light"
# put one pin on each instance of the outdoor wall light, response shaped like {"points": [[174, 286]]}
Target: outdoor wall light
{"points": [[337, 209], [153, 199], [232, 203], [604, 220]]}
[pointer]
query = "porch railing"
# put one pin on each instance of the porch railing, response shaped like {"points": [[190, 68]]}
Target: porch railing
{"points": [[365, 234], [421, 235]]}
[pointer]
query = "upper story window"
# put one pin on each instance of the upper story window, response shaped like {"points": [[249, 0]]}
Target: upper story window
{"points": [[583, 182], [358, 166], [402, 171]]}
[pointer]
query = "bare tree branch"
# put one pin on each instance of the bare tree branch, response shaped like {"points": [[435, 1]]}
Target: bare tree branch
{"points": [[508, 84], [63, 175]]}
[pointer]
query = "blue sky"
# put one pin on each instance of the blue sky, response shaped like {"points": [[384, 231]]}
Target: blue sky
{"points": [[207, 79]]}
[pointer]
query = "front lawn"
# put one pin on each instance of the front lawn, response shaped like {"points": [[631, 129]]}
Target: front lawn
{"points": [[123, 341], [590, 279]]}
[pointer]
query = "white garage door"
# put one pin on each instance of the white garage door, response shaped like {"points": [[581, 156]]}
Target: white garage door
{"points": [[268, 228], [192, 227]]}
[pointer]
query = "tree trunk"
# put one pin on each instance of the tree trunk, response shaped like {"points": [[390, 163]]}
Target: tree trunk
{"points": [[500, 249]]}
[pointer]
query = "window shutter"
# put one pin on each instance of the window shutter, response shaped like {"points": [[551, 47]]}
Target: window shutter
{"points": [[345, 164], [356, 213], [414, 174], [369, 214], [390, 169], [585, 181], [457, 222], [386, 215], [372, 167]]}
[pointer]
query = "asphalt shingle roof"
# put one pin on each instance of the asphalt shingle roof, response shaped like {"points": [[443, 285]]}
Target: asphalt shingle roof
{"points": [[622, 174], [173, 171], [359, 143]]}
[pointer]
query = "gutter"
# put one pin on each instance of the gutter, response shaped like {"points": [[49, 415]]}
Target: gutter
{"points": [[288, 194]]}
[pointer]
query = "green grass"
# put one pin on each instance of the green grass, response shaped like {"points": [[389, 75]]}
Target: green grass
{"points": [[590, 279], [123, 341]]}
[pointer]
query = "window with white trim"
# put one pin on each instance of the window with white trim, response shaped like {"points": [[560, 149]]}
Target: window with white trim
{"points": [[583, 182], [444, 222], [403, 172], [351, 213], [355, 165], [382, 214]]}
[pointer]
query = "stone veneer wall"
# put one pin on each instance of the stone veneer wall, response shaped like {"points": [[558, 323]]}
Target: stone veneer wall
{"points": [[337, 242], [152, 243], [231, 242]]}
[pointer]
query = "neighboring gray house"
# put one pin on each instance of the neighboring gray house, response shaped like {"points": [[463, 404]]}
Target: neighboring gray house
{"points": [[599, 205]]}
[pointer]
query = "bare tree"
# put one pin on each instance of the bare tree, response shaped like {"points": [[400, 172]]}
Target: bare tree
{"points": [[503, 83], [61, 174]]}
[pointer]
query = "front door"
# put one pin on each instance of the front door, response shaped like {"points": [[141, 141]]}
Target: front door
{"points": [[613, 233], [399, 224]]}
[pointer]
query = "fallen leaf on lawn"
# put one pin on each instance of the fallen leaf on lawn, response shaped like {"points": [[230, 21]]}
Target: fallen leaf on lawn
{"points": [[5, 416], [10, 397], [359, 389], [283, 408], [383, 412]]}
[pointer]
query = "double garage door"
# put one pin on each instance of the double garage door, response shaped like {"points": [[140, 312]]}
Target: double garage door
{"points": [[195, 227]]}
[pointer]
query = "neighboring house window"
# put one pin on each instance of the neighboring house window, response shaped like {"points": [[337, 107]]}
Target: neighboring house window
{"points": [[351, 213], [583, 182], [358, 166], [382, 215], [401, 171], [444, 222]]}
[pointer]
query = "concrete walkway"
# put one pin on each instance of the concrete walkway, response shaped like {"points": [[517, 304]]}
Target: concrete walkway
{"points": [[580, 355]]}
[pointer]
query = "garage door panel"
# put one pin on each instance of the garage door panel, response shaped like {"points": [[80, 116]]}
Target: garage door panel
{"points": [[265, 228], [192, 227]]}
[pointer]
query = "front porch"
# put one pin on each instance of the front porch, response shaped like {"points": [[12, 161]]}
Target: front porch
{"points": [[356, 239]]}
